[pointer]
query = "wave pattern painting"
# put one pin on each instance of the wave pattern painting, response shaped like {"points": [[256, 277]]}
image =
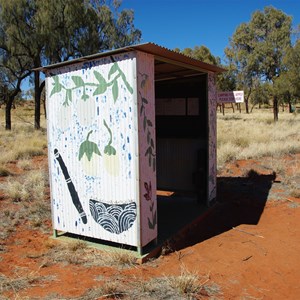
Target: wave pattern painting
{"points": [[114, 218]]}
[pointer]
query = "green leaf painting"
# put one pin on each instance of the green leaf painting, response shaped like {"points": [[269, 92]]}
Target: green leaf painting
{"points": [[88, 148], [100, 87], [78, 81], [115, 90], [147, 125], [57, 87], [113, 70]]}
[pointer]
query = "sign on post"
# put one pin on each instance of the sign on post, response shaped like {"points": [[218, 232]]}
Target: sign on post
{"points": [[231, 97]]}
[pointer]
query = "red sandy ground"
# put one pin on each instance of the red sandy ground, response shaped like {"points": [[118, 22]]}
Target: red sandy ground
{"points": [[248, 245]]}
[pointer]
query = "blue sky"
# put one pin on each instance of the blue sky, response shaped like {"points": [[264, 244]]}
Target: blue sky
{"points": [[189, 23]]}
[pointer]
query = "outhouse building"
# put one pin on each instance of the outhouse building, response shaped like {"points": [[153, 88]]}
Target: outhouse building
{"points": [[122, 125]]}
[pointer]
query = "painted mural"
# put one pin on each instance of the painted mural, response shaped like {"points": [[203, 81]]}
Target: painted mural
{"points": [[147, 146], [92, 134], [212, 150]]}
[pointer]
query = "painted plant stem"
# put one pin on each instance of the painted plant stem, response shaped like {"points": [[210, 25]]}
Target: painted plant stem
{"points": [[71, 187], [109, 149]]}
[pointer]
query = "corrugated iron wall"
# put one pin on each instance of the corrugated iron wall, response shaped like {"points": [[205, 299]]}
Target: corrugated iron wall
{"points": [[92, 134], [147, 148], [177, 162]]}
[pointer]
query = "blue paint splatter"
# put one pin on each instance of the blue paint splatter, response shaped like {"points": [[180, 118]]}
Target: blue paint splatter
{"points": [[123, 147], [76, 223], [128, 139], [129, 156], [130, 108], [58, 220], [97, 110]]}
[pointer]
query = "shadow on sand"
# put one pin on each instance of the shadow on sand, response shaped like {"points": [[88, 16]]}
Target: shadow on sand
{"points": [[241, 200]]}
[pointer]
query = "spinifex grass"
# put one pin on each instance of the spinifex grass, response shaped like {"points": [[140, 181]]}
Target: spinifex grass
{"points": [[242, 136]]}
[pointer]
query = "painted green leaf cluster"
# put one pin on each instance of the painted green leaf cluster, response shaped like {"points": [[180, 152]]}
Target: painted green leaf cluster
{"points": [[101, 86], [147, 124], [57, 87], [88, 148]]}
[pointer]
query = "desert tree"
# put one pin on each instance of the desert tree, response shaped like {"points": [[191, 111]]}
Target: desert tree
{"points": [[13, 70], [225, 81], [257, 49], [288, 84], [201, 53], [47, 31], [14, 67]]}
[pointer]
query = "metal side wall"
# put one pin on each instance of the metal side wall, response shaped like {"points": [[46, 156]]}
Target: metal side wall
{"points": [[92, 130], [147, 147]]}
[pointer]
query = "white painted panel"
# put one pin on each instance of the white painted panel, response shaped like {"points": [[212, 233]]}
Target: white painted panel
{"points": [[92, 130]]}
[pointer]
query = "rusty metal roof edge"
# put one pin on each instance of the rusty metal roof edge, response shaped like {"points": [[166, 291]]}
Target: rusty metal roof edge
{"points": [[151, 48]]}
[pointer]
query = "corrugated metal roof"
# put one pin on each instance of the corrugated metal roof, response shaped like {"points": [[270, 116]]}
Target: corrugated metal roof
{"points": [[161, 53]]}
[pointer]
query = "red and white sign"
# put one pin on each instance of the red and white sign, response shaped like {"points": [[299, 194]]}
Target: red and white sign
{"points": [[231, 97]]}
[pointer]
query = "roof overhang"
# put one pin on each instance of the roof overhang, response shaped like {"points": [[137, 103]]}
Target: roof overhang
{"points": [[168, 63]]}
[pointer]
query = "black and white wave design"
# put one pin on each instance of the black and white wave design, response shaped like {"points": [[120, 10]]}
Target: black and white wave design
{"points": [[114, 218]]}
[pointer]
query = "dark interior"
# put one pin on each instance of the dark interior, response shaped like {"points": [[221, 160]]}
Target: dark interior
{"points": [[181, 129]]}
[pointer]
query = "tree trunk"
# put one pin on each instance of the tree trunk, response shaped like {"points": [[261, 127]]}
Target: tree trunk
{"points": [[247, 101], [10, 97], [44, 102], [247, 106], [275, 108], [37, 100], [8, 108], [290, 104]]}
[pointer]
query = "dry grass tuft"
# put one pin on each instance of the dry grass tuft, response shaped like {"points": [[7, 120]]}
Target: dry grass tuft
{"points": [[29, 187], [187, 285], [25, 164], [27, 193], [119, 258], [4, 171], [22, 142], [109, 290], [78, 253], [21, 281]]}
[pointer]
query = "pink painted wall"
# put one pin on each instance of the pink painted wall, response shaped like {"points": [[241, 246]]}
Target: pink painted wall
{"points": [[147, 147], [212, 149]]}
